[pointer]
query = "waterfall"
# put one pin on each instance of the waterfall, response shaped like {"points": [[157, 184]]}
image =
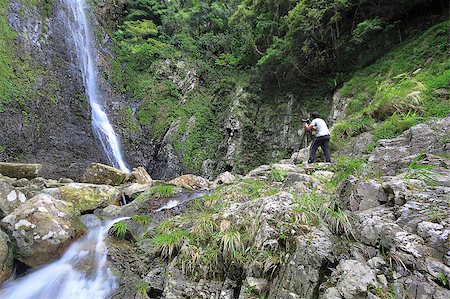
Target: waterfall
{"points": [[81, 33], [81, 273]]}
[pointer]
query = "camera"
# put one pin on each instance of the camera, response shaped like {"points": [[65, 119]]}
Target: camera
{"points": [[307, 120]]}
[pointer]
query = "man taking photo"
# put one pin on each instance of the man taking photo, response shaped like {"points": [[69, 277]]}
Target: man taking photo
{"points": [[322, 137]]}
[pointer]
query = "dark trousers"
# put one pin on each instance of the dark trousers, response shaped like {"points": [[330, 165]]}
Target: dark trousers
{"points": [[321, 141]]}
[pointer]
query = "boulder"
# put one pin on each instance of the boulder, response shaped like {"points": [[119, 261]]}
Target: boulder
{"points": [[86, 197], [42, 228], [20, 170], [354, 279], [97, 173], [360, 195], [394, 154], [190, 181], [323, 175], [6, 256], [225, 178], [141, 176], [301, 156], [357, 146], [301, 276], [436, 235], [10, 198]]}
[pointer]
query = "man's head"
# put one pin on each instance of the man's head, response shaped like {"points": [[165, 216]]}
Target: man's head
{"points": [[315, 114]]}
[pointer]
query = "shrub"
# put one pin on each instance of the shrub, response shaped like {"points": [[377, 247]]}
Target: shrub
{"points": [[161, 191], [169, 243], [119, 229]]}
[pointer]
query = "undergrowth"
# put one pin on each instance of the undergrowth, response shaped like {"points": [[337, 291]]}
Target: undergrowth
{"points": [[406, 86]]}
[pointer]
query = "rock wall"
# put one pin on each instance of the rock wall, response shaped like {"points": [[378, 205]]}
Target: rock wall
{"points": [[52, 126]]}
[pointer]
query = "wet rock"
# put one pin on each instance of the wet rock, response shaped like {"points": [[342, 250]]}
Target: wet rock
{"points": [[97, 173], [141, 176], [20, 170], [190, 181], [91, 220], [10, 198], [6, 256], [42, 228], [86, 197]]}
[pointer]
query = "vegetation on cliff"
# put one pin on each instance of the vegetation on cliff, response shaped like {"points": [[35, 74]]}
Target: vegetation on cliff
{"points": [[271, 49]]}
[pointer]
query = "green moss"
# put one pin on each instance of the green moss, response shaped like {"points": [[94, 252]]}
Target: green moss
{"points": [[7, 36]]}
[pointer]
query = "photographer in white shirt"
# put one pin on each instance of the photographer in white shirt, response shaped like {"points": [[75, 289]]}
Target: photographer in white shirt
{"points": [[322, 137]]}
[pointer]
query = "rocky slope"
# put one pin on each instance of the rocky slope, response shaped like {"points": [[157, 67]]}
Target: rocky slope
{"points": [[377, 227]]}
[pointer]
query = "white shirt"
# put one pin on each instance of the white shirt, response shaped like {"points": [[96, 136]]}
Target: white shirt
{"points": [[321, 127]]}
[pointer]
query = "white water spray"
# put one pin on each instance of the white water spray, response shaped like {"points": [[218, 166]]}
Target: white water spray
{"points": [[80, 30], [81, 273]]}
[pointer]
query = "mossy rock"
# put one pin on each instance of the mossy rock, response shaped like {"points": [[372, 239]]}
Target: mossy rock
{"points": [[97, 173], [20, 170], [86, 197]]}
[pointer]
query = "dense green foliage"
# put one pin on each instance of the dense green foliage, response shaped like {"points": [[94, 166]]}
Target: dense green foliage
{"points": [[271, 48]]}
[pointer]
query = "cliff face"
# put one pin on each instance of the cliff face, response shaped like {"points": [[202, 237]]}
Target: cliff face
{"points": [[47, 120]]}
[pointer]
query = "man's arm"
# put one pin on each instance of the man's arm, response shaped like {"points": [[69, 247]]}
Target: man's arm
{"points": [[309, 127]]}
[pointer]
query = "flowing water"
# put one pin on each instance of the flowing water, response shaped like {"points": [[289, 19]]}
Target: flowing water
{"points": [[81, 273], [81, 33]]}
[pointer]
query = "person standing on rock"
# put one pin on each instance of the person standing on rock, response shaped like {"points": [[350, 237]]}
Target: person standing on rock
{"points": [[322, 137]]}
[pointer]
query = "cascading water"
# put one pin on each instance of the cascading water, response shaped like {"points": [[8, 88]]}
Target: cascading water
{"points": [[80, 30], [81, 273]]}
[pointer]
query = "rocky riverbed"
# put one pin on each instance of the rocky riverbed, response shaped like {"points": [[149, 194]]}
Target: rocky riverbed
{"points": [[377, 230]]}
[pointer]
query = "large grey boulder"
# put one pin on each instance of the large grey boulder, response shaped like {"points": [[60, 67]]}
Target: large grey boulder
{"points": [[360, 195], [42, 229], [301, 275], [354, 279], [97, 173], [20, 170], [6, 256]]}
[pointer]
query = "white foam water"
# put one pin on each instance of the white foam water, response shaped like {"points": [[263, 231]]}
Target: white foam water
{"points": [[81, 273], [81, 33]]}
